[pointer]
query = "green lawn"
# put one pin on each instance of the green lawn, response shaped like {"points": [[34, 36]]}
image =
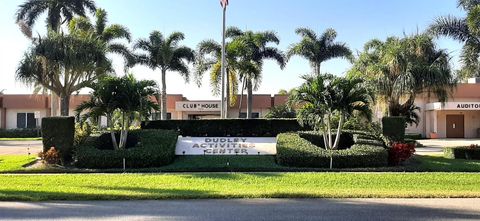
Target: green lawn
{"points": [[14, 163], [439, 163], [237, 185], [20, 139]]}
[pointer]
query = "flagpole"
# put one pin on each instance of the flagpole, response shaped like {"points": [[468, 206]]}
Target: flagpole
{"points": [[222, 110]]}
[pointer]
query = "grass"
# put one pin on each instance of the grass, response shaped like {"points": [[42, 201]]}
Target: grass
{"points": [[237, 185], [20, 139], [14, 163], [223, 163], [440, 163]]}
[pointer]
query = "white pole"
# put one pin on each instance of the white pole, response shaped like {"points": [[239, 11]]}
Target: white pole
{"points": [[222, 110]]}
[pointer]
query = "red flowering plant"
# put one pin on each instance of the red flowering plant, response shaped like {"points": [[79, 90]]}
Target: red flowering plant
{"points": [[400, 152]]}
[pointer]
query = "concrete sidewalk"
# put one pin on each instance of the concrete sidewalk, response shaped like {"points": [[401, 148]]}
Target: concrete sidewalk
{"points": [[435, 146], [247, 209], [20, 147]]}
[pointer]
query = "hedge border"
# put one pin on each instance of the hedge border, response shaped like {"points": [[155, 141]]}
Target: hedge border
{"points": [[156, 148], [292, 150], [462, 153]]}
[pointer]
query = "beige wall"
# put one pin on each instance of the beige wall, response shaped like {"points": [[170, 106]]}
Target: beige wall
{"points": [[471, 118], [12, 116]]}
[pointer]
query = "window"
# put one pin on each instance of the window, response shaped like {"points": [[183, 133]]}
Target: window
{"points": [[158, 116], [26, 120], [244, 115]]}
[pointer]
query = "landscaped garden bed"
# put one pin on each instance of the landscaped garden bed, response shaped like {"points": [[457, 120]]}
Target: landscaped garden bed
{"points": [[471, 152]]}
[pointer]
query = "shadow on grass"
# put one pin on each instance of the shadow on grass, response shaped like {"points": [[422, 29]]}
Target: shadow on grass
{"points": [[442, 164]]}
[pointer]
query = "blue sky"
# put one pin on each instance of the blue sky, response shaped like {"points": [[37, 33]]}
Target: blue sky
{"points": [[356, 21]]}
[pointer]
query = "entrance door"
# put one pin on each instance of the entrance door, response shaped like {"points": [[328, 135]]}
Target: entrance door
{"points": [[455, 126]]}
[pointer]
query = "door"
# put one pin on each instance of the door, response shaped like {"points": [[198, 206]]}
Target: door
{"points": [[455, 126]]}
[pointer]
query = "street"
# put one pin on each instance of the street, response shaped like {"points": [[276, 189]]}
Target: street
{"points": [[247, 209]]}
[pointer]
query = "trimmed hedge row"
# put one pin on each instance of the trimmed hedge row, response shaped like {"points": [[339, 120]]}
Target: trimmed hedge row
{"points": [[394, 128], [346, 139], [20, 133], [462, 153], [155, 148], [59, 132], [293, 150], [227, 127]]}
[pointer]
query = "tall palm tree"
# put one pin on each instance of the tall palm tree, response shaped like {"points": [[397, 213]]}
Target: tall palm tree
{"points": [[58, 11], [105, 33], [317, 49], [465, 30], [252, 48], [209, 58], [167, 55], [64, 64], [403, 68]]}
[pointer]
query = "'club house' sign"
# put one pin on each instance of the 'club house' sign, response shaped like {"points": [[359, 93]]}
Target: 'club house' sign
{"points": [[197, 105], [226, 146]]}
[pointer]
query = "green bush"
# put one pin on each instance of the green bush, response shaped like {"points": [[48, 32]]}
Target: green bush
{"points": [[293, 150], [59, 132], [104, 141], [394, 128], [462, 153], [413, 136], [20, 133], [227, 127], [155, 148], [346, 139]]}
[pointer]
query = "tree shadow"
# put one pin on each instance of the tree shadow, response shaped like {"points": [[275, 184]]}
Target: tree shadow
{"points": [[243, 209]]}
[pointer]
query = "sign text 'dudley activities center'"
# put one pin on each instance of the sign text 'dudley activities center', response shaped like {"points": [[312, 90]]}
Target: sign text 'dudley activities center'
{"points": [[226, 146]]}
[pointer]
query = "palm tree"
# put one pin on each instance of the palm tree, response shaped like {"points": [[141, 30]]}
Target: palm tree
{"points": [[124, 95], [167, 55], [64, 64], [318, 49], [58, 11], [252, 48], [105, 33], [323, 96], [209, 58], [465, 30], [403, 68]]}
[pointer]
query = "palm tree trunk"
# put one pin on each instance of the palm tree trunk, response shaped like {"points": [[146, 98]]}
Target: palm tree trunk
{"points": [[112, 132], [64, 104], [163, 104], [249, 98], [241, 98], [339, 131], [329, 131]]}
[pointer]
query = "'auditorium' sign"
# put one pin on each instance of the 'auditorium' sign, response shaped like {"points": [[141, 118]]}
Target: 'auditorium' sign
{"points": [[197, 105], [226, 146]]}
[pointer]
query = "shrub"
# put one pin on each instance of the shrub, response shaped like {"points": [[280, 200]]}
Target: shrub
{"points": [[413, 136], [20, 133], [400, 152], [281, 111], [471, 152], [52, 156], [59, 132], [227, 127], [104, 141], [82, 132], [293, 150], [346, 139], [394, 128], [155, 148]]}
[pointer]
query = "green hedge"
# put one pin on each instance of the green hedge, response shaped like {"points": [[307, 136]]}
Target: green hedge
{"points": [[346, 139], [20, 133], [155, 148], [413, 136], [394, 128], [59, 132], [227, 127], [462, 153], [293, 150]]}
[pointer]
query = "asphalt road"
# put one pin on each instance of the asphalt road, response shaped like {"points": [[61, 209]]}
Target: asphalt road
{"points": [[247, 209]]}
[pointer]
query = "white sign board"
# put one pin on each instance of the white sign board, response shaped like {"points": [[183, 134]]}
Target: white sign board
{"points": [[197, 105], [226, 146], [37, 114], [454, 106]]}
